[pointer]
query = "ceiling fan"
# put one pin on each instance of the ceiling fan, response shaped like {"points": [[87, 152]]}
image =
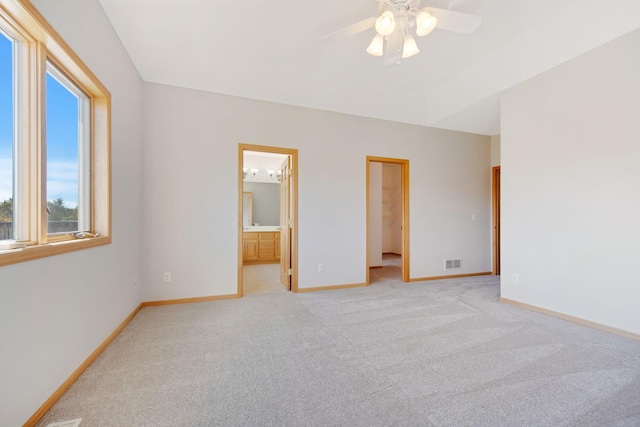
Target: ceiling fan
{"points": [[395, 19]]}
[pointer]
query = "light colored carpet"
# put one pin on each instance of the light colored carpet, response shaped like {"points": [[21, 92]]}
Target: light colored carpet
{"points": [[442, 353]]}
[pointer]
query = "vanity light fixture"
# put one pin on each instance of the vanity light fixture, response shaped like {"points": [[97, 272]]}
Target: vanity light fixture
{"points": [[249, 171], [273, 173]]}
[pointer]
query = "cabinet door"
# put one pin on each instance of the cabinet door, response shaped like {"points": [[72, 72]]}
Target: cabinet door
{"points": [[266, 250], [276, 242], [250, 250]]}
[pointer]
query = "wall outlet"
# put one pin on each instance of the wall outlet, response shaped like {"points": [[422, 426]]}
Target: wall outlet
{"points": [[474, 217], [167, 277], [320, 267], [515, 277]]}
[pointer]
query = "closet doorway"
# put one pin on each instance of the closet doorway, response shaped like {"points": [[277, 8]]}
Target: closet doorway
{"points": [[387, 241], [267, 219]]}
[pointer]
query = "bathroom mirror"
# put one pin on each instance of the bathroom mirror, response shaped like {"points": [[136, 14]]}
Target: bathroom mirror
{"points": [[247, 209], [266, 203]]}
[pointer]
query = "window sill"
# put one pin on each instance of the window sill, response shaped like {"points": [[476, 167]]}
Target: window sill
{"points": [[14, 256]]}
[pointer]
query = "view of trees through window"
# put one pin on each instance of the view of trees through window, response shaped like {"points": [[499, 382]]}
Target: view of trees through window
{"points": [[61, 217]]}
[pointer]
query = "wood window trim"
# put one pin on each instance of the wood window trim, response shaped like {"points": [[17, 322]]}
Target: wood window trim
{"points": [[45, 44], [29, 253]]}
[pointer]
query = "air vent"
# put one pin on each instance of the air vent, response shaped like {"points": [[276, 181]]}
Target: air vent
{"points": [[452, 264], [70, 423]]}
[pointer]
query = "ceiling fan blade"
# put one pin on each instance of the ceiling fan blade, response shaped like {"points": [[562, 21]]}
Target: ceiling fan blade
{"points": [[458, 22], [393, 49], [349, 31]]}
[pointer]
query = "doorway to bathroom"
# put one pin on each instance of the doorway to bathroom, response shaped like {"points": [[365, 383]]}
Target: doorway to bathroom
{"points": [[267, 219]]}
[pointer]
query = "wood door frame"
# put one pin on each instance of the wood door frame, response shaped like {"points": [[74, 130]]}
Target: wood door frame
{"points": [[294, 208], [495, 218], [404, 164], [284, 243]]}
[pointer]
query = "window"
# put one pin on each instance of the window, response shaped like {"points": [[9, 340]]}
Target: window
{"points": [[55, 172], [6, 138], [68, 149]]}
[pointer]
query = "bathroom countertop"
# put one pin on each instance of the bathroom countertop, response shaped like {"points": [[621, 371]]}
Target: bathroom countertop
{"points": [[259, 228]]}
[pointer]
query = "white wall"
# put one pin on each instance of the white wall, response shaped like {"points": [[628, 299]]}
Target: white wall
{"points": [[570, 184], [55, 312], [375, 214], [391, 208], [495, 150], [266, 202], [185, 129], [495, 161]]}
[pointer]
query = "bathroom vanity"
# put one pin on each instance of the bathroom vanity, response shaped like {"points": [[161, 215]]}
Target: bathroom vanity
{"points": [[260, 245]]}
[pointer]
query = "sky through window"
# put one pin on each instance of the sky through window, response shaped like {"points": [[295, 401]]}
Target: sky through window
{"points": [[6, 118], [62, 143], [62, 134]]}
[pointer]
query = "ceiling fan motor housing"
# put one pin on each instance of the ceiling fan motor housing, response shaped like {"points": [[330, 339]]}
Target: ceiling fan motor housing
{"points": [[403, 10]]}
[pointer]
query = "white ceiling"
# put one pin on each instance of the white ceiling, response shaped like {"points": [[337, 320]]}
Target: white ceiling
{"points": [[271, 50]]}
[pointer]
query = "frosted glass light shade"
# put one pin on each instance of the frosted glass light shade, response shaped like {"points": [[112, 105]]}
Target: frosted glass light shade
{"points": [[386, 23], [410, 48], [376, 46], [425, 23]]}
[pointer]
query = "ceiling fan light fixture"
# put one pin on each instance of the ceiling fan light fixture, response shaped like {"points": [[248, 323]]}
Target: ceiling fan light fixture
{"points": [[410, 47], [425, 23], [386, 23], [376, 47], [394, 25]]}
